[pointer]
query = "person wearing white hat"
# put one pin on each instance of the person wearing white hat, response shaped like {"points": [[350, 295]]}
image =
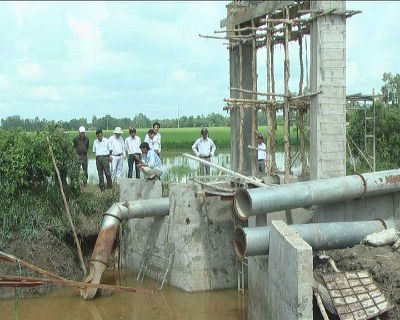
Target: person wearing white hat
{"points": [[117, 153], [81, 144]]}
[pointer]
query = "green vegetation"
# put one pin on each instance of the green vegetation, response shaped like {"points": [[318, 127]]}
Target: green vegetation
{"points": [[387, 136], [30, 195]]}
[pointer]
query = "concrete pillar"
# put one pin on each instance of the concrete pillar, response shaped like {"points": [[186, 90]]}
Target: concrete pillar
{"points": [[328, 109], [247, 120], [290, 275]]}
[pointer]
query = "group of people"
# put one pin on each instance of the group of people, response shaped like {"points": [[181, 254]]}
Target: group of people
{"points": [[143, 157], [111, 152]]}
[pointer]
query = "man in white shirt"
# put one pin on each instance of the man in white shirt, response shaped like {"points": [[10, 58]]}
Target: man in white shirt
{"points": [[155, 141], [117, 153], [261, 152], [102, 152], [132, 146], [204, 148]]}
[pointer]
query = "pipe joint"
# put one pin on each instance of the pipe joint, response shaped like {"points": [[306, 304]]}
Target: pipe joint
{"points": [[114, 211]]}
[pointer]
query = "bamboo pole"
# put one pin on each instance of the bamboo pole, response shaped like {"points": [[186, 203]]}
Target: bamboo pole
{"points": [[241, 146], [286, 105], [273, 112], [76, 284], [251, 101], [301, 112], [254, 117], [233, 173], [10, 258], [78, 246], [269, 94]]}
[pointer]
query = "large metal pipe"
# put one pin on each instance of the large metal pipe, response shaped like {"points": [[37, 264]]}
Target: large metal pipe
{"points": [[108, 231], [250, 202], [320, 236]]}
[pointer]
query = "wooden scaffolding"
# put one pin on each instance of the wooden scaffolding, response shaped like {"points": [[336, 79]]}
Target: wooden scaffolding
{"points": [[277, 27]]}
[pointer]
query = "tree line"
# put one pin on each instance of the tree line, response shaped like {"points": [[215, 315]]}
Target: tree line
{"points": [[108, 122], [139, 121]]}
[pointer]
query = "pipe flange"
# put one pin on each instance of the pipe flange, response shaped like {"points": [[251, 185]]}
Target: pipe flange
{"points": [[364, 184], [111, 215], [381, 221]]}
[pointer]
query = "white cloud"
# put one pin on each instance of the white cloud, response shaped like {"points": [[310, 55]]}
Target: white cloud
{"points": [[84, 30], [20, 9], [48, 93], [30, 70], [5, 82], [179, 75]]}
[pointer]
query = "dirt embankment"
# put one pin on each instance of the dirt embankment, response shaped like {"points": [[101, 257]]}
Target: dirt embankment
{"points": [[50, 253]]}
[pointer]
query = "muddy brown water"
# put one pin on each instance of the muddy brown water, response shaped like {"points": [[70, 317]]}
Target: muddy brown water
{"points": [[170, 303]]}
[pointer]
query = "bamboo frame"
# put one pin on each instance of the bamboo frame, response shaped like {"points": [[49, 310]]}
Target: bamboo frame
{"points": [[274, 29]]}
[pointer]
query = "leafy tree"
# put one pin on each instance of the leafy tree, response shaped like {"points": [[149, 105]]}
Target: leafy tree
{"points": [[28, 177], [391, 88]]}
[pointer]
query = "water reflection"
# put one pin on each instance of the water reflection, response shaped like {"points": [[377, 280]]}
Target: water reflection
{"points": [[181, 169], [170, 303]]}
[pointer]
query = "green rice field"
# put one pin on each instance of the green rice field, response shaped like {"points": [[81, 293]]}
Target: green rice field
{"points": [[182, 138]]}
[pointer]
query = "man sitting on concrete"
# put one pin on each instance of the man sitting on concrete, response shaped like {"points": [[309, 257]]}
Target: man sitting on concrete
{"points": [[150, 164]]}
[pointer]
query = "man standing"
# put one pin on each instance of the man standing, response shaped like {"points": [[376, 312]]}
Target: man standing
{"points": [[81, 144], [102, 151], [262, 154], [150, 164], [117, 152], [204, 148], [132, 145], [155, 141]]}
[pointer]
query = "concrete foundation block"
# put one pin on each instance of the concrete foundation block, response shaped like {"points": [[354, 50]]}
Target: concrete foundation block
{"points": [[134, 189], [290, 275], [200, 231]]}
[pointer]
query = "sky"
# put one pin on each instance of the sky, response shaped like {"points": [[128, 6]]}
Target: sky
{"points": [[66, 60]]}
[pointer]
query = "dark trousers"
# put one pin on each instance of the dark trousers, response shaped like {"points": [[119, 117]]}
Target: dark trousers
{"points": [[261, 165], [103, 168], [83, 160], [132, 160]]}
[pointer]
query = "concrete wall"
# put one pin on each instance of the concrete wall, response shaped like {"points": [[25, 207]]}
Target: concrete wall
{"points": [[199, 230], [258, 266], [290, 275], [328, 109]]}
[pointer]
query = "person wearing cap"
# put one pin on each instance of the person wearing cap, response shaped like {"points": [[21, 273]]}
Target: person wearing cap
{"points": [[150, 163], [132, 146], [102, 151], [81, 144], [155, 141], [204, 148], [117, 154], [261, 152]]}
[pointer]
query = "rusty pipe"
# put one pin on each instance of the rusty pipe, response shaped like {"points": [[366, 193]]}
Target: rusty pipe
{"points": [[320, 236], [105, 240], [250, 202]]}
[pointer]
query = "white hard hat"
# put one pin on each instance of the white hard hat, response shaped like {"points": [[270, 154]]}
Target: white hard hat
{"points": [[82, 129]]}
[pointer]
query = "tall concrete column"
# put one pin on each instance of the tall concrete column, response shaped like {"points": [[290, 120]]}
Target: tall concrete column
{"points": [[328, 109], [247, 119]]}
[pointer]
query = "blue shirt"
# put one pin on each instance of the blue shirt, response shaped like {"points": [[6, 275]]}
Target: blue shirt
{"points": [[152, 160]]}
